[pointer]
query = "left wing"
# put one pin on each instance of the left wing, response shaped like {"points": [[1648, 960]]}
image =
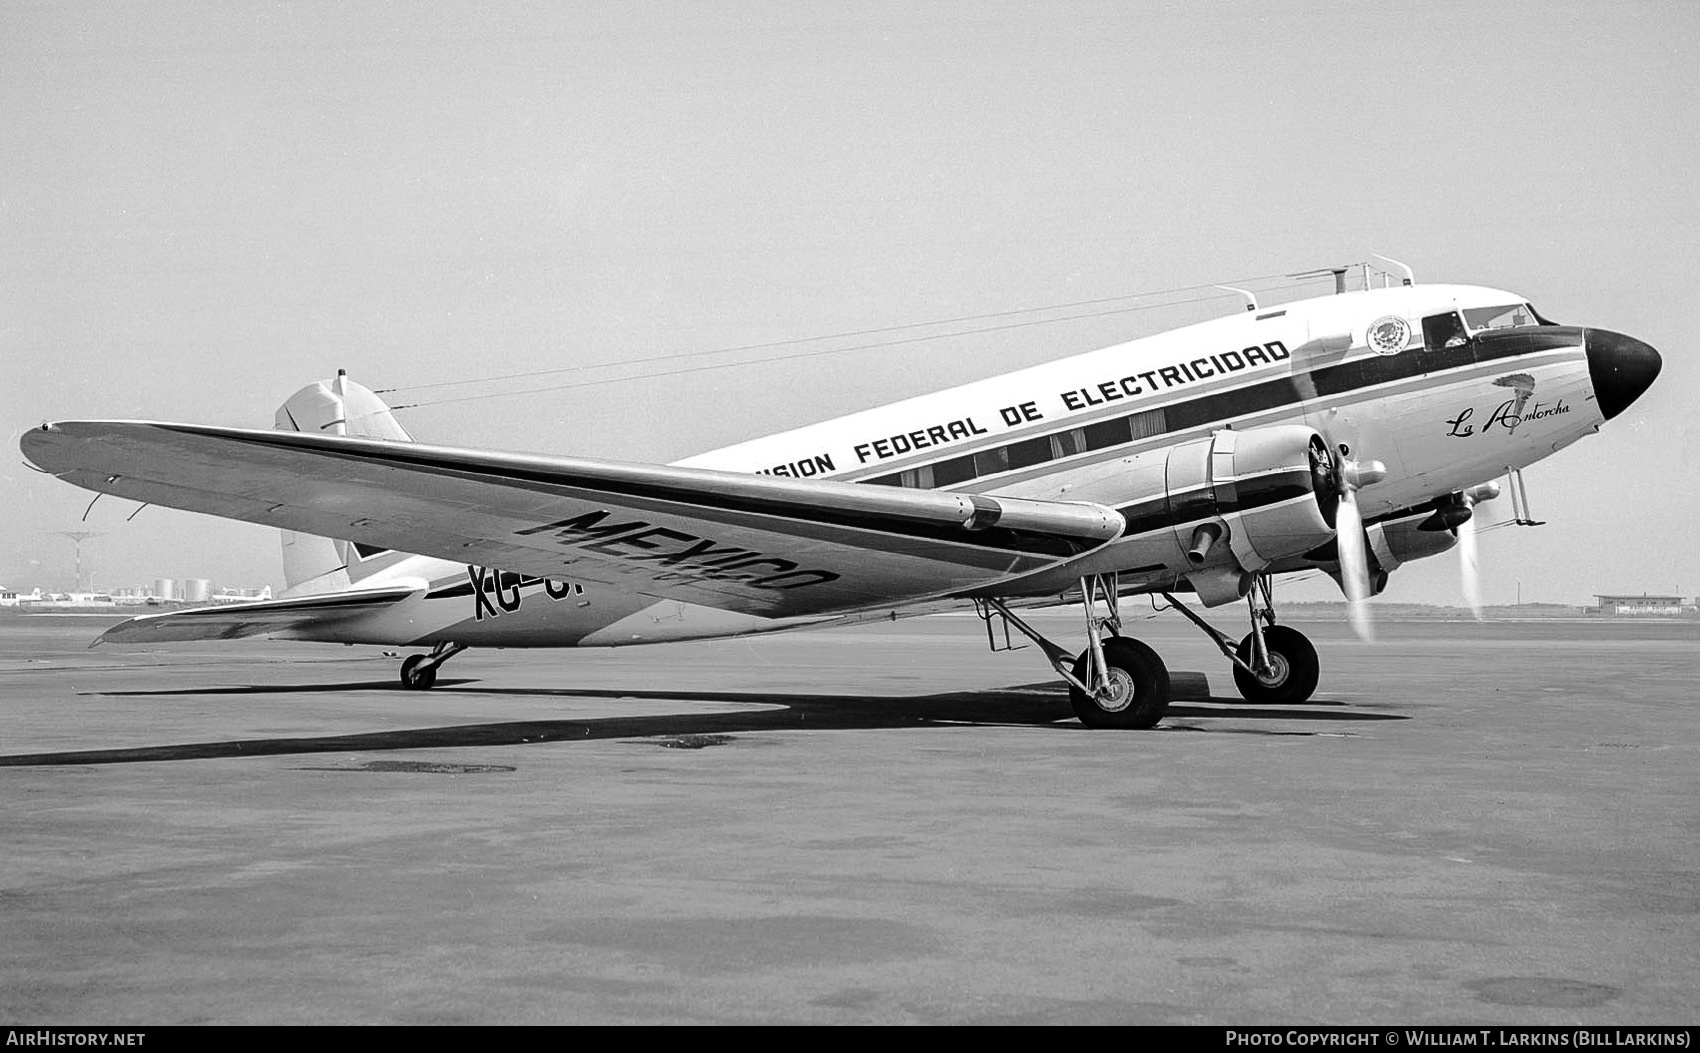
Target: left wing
{"points": [[756, 544]]}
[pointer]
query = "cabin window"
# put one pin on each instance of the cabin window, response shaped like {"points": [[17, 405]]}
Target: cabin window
{"points": [[1511, 317], [991, 462], [955, 470], [1107, 433], [918, 478], [1028, 452], [1149, 423], [1442, 331], [1068, 443], [914, 479]]}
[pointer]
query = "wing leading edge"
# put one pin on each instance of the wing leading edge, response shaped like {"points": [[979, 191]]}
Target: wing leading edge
{"points": [[757, 544]]}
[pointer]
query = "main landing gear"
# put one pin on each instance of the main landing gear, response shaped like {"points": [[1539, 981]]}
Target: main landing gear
{"points": [[1118, 682], [419, 672], [1274, 664]]}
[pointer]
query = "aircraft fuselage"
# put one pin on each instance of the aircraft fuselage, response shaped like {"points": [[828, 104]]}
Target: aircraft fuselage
{"points": [[1446, 386]]}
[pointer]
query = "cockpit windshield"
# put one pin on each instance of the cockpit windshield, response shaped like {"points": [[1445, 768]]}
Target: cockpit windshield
{"points": [[1509, 317]]}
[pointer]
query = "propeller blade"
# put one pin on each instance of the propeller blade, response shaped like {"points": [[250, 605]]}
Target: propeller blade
{"points": [[1467, 567], [1354, 564]]}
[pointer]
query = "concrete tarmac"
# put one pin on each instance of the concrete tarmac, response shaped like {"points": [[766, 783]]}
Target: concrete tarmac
{"points": [[1471, 824]]}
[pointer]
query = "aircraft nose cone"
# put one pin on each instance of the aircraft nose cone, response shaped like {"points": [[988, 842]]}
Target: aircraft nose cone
{"points": [[1621, 368]]}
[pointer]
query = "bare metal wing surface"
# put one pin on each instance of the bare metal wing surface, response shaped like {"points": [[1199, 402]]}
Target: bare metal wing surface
{"points": [[233, 621], [755, 544]]}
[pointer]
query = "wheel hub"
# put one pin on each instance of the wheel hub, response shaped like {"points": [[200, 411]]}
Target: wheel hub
{"points": [[1278, 672], [1117, 692]]}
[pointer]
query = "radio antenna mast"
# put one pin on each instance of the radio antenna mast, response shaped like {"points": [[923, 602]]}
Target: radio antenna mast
{"points": [[77, 538]]}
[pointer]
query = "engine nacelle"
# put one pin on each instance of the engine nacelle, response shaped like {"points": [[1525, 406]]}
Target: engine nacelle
{"points": [[1257, 496], [1391, 544], [1218, 510]]}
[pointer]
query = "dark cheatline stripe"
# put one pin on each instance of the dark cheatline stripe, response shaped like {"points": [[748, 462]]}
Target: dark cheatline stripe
{"points": [[991, 538], [1348, 377], [1197, 502], [1272, 488], [1203, 502], [1145, 516], [1289, 392]]}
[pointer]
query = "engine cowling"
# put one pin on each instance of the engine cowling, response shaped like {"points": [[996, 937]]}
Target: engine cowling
{"points": [[1390, 544], [1241, 500], [1211, 512], [1401, 541]]}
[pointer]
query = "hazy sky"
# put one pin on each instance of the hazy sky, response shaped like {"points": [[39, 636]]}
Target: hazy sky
{"points": [[204, 206]]}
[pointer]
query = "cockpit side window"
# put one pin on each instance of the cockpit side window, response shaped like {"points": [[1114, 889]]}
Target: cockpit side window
{"points": [[1508, 317], [1443, 331]]}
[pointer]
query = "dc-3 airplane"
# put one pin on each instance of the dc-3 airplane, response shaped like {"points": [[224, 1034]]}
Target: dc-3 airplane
{"points": [[1351, 433]]}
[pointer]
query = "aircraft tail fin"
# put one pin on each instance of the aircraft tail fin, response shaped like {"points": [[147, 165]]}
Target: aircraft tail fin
{"points": [[341, 407], [314, 565]]}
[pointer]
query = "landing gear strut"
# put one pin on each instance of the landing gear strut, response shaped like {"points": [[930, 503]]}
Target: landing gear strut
{"points": [[419, 672], [1115, 682], [1274, 664]]}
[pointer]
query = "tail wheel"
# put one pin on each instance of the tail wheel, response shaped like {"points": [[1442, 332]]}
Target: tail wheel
{"points": [[416, 675], [1137, 692], [1295, 668]]}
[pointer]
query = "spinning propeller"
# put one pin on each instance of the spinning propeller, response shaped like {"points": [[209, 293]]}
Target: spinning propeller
{"points": [[1337, 474], [1350, 477], [1469, 581], [1335, 471], [1456, 513]]}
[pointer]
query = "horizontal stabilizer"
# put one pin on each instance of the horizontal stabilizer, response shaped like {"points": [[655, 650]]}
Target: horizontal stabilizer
{"points": [[230, 621]]}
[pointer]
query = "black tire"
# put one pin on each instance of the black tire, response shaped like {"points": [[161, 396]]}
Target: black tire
{"points": [[415, 678], [1296, 668], [1141, 681]]}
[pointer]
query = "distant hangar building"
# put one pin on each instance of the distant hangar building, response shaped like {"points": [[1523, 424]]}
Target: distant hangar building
{"points": [[1643, 605]]}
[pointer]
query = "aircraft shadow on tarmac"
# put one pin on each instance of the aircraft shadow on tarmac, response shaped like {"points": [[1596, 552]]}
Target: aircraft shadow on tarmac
{"points": [[1033, 705]]}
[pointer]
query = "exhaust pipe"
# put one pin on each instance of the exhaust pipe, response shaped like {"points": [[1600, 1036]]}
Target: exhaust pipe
{"points": [[1203, 540]]}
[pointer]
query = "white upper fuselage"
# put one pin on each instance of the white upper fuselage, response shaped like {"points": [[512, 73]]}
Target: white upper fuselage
{"points": [[1189, 374]]}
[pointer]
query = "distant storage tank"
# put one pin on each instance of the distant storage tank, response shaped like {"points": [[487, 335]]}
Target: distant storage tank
{"points": [[163, 588], [197, 590]]}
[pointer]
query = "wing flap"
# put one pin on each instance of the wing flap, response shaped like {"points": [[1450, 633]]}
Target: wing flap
{"points": [[756, 544], [235, 620]]}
